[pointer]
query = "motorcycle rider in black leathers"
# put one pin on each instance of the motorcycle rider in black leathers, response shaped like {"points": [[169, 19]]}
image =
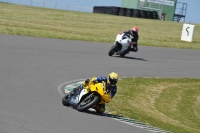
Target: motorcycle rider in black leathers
{"points": [[133, 34]]}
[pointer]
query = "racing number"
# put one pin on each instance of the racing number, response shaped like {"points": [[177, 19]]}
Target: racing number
{"points": [[187, 31]]}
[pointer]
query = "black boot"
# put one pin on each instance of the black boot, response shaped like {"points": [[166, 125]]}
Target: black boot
{"points": [[135, 49]]}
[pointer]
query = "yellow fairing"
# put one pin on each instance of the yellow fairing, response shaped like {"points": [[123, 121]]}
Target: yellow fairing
{"points": [[100, 88]]}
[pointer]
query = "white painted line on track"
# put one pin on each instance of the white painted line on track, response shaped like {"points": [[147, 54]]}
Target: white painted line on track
{"points": [[66, 83]]}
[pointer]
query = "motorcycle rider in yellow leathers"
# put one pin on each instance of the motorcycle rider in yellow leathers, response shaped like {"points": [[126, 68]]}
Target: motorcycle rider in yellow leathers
{"points": [[111, 87]]}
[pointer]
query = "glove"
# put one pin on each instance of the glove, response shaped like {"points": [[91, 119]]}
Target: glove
{"points": [[87, 80], [132, 43]]}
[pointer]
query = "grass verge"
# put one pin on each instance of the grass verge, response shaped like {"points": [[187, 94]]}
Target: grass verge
{"points": [[169, 103]]}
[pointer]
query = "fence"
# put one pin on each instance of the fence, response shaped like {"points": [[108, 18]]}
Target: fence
{"points": [[47, 4], [136, 13]]}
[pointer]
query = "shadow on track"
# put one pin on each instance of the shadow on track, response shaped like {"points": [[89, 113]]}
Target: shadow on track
{"points": [[128, 57], [92, 112]]}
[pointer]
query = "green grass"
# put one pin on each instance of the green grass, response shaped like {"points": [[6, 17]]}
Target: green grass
{"points": [[169, 103], [63, 24]]}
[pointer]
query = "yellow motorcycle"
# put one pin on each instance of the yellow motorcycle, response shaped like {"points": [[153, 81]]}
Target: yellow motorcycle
{"points": [[87, 97]]}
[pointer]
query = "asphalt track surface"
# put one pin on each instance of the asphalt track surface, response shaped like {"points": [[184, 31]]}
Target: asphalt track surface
{"points": [[31, 69]]}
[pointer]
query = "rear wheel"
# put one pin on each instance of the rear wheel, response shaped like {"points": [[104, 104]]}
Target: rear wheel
{"points": [[88, 102], [65, 100]]}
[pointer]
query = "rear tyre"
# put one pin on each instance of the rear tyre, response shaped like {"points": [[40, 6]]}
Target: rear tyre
{"points": [[88, 102], [112, 50], [65, 100]]}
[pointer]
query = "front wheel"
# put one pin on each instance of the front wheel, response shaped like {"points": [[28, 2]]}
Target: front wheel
{"points": [[112, 50], [88, 102], [65, 100]]}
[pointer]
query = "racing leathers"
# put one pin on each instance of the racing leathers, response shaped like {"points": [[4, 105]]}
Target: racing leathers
{"points": [[134, 40]]}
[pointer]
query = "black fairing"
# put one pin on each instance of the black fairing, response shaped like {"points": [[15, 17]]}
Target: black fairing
{"points": [[119, 46]]}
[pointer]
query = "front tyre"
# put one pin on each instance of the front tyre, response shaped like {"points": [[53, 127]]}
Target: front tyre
{"points": [[65, 100], [112, 50], [88, 102]]}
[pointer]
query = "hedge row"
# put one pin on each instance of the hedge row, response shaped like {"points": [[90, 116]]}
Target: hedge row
{"points": [[137, 13]]}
